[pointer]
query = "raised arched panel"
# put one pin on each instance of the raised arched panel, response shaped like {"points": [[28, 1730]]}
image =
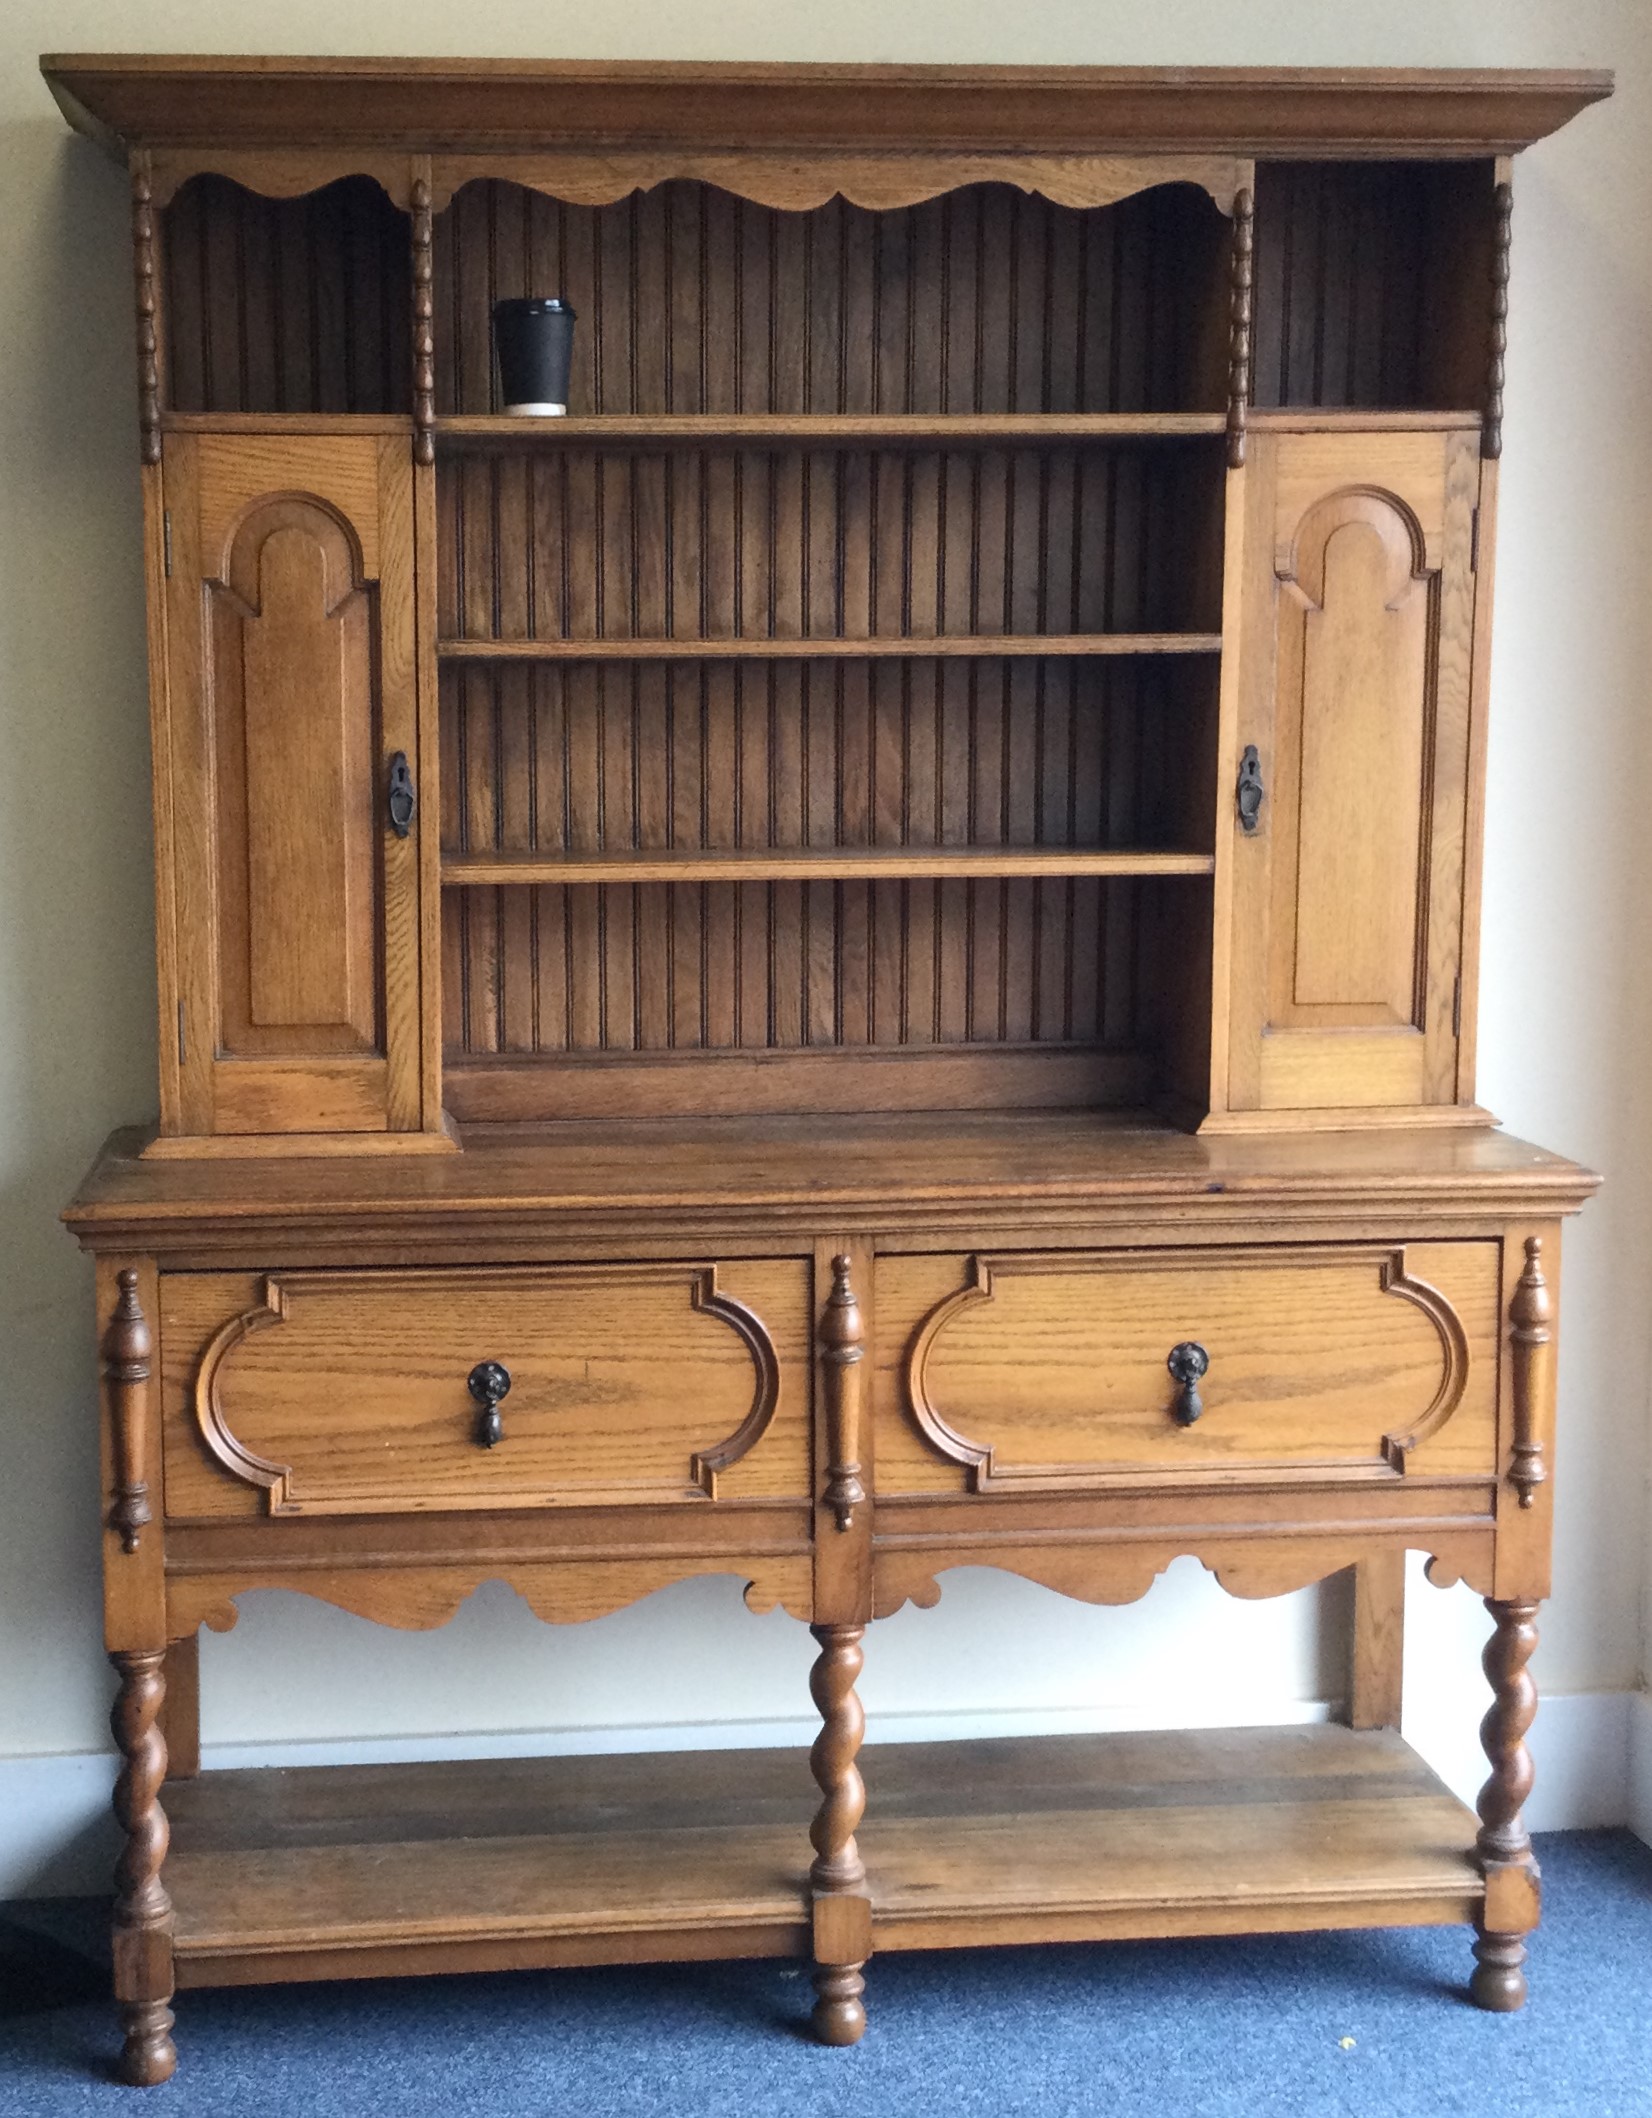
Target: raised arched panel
{"points": [[1353, 692], [294, 723], [1354, 610]]}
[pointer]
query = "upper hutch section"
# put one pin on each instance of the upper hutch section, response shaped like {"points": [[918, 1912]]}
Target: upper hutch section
{"points": [[1003, 624]]}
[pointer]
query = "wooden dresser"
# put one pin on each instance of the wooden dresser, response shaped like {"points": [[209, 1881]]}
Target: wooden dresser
{"points": [[857, 959]]}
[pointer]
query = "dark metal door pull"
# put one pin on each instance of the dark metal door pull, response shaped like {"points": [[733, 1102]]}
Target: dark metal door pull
{"points": [[489, 1383]]}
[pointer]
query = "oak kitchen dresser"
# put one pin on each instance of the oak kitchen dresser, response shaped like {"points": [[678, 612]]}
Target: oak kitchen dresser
{"points": [[855, 960]]}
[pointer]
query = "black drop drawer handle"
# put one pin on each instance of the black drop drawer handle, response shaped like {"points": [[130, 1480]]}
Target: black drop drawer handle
{"points": [[1187, 1364], [489, 1383]]}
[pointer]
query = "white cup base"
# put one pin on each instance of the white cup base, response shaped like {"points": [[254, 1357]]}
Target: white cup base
{"points": [[537, 411]]}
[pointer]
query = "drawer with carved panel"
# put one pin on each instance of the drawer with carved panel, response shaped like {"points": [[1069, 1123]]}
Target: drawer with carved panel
{"points": [[1050, 1371], [389, 1391]]}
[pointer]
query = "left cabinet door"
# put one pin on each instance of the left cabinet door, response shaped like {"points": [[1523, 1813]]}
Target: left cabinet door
{"points": [[291, 691]]}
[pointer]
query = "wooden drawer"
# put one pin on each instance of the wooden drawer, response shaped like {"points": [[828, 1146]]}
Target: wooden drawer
{"points": [[349, 1392], [1048, 1370]]}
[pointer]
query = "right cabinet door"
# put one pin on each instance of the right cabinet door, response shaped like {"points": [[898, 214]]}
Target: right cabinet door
{"points": [[1355, 655]]}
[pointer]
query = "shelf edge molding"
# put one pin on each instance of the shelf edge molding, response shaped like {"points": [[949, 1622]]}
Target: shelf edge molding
{"points": [[819, 864], [500, 430], [833, 647]]}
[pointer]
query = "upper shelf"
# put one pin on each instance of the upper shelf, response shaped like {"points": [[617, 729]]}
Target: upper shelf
{"points": [[824, 429], [496, 107]]}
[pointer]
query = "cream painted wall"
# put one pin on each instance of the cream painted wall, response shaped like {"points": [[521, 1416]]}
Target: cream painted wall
{"points": [[1567, 1006]]}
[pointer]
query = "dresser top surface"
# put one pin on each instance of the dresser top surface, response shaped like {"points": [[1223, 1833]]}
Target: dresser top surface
{"points": [[495, 106], [790, 1172]]}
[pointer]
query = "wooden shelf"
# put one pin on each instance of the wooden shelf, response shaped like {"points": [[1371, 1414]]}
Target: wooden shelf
{"points": [[341, 1871], [825, 429], [817, 864], [832, 647], [1326, 419]]}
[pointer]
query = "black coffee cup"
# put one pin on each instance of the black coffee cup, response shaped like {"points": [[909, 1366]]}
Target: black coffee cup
{"points": [[534, 340]]}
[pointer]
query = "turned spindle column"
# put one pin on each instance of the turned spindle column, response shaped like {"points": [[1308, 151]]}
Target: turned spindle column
{"points": [[1503, 1847], [841, 1907], [143, 1911]]}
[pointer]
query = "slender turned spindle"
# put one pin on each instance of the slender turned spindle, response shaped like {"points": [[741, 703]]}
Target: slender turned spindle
{"points": [[1499, 1982], [143, 1911], [839, 2017], [143, 275], [1240, 283], [424, 326], [1497, 334]]}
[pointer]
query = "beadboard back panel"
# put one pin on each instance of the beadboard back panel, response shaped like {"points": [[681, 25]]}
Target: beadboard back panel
{"points": [[632, 543], [791, 965], [287, 305], [589, 757], [1373, 284], [1370, 281], [985, 300], [586, 758]]}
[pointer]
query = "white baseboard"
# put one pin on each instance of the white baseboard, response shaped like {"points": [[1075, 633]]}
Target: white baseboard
{"points": [[1580, 1746], [1592, 1751], [1640, 1765], [57, 1838]]}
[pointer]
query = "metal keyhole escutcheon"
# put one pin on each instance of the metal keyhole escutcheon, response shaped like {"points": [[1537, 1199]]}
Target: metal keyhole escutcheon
{"points": [[1250, 790], [489, 1383], [401, 799], [1187, 1364]]}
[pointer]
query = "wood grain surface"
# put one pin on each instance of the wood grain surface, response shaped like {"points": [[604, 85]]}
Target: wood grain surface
{"points": [[356, 1870], [490, 104], [348, 1392], [742, 1118], [1047, 1370]]}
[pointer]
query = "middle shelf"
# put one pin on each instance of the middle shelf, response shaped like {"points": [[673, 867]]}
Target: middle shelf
{"points": [[817, 864], [830, 647]]}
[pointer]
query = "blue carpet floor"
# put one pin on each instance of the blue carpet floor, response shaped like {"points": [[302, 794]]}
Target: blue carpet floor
{"points": [[1371, 2025]]}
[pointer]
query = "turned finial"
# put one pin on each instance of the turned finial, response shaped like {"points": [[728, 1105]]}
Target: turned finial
{"points": [[843, 1347], [127, 1348], [1530, 1315]]}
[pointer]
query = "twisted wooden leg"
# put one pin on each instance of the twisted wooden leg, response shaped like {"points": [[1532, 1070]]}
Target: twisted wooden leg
{"points": [[841, 1907], [1505, 1851], [143, 1911]]}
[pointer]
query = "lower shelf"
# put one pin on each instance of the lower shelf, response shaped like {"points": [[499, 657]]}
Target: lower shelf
{"points": [[367, 1871]]}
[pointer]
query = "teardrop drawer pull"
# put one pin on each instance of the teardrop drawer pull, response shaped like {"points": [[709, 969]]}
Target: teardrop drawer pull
{"points": [[1187, 1364], [489, 1384]]}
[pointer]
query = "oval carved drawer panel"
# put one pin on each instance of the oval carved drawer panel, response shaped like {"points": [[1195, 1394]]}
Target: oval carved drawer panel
{"points": [[351, 1392], [1044, 1370]]}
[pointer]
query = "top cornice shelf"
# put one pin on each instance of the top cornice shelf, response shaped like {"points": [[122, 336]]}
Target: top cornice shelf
{"points": [[501, 107]]}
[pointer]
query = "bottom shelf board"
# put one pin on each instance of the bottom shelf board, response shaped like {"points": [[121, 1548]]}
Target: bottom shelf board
{"points": [[339, 1871]]}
